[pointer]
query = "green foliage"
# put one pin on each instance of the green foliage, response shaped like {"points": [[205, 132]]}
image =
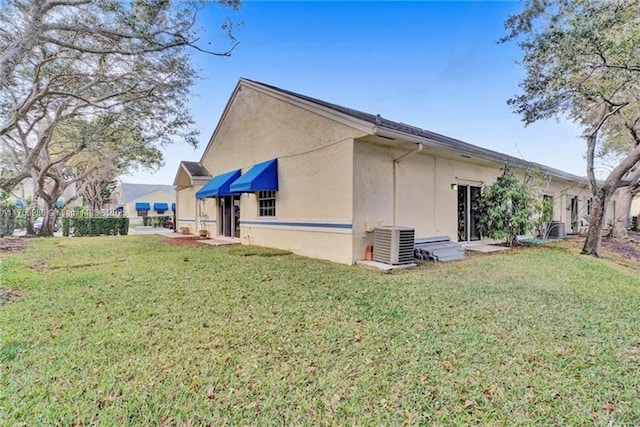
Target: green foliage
{"points": [[7, 218], [135, 332], [65, 226], [506, 208], [95, 226], [155, 221], [544, 209]]}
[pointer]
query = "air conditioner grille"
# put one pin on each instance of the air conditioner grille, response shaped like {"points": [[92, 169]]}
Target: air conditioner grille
{"points": [[393, 245]]}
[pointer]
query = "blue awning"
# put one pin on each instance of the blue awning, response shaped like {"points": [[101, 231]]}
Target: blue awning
{"points": [[219, 185], [261, 177], [173, 207], [159, 206], [20, 204], [143, 206]]}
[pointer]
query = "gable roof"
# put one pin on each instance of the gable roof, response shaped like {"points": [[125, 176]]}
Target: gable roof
{"points": [[398, 130], [135, 191], [195, 169]]}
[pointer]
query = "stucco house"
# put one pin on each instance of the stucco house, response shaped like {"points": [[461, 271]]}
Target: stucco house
{"points": [[140, 200], [288, 171]]}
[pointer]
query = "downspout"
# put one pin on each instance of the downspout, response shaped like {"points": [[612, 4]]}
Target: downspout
{"points": [[396, 161]]}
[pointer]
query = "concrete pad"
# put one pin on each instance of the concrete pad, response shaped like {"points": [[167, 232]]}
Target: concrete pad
{"points": [[485, 249], [219, 242], [173, 235], [384, 268]]}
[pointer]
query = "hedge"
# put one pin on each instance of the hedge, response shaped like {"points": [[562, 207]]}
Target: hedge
{"points": [[155, 221], [95, 226], [7, 219]]}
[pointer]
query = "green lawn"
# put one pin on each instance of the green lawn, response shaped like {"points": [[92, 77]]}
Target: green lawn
{"points": [[131, 331]]}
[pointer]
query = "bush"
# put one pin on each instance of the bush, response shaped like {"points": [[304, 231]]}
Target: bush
{"points": [[7, 219], [95, 226], [506, 208], [155, 221]]}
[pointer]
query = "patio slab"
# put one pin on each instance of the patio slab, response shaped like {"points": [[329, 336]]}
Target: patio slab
{"points": [[384, 268], [172, 235], [485, 249], [219, 242]]}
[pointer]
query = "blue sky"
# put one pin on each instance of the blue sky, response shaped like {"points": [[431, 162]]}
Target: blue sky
{"points": [[435, 65]]}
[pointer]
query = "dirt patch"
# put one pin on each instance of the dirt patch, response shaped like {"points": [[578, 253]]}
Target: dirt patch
{"points": [[11, 244], [184, 241], [627, 248], [7, 295], [38, 265]]}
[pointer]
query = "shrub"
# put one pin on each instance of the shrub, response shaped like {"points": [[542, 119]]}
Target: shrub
{"points": [[155, 221], [7, 219], [95, 226], [506, 208]]}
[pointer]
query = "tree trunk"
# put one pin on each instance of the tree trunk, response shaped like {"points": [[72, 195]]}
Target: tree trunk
{"points": [[50, 217], [28, 216], [623, 209], [603, 196], [594, 234]]}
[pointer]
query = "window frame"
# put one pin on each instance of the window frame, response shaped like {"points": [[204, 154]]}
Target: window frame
{"points": [[266, 203]]}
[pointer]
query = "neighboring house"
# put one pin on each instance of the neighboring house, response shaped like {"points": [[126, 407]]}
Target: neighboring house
{"points": [[288, 171], [191, 177], [140, 200]]}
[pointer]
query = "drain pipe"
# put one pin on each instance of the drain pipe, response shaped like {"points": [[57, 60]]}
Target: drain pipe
{"points": [[396, 161]]}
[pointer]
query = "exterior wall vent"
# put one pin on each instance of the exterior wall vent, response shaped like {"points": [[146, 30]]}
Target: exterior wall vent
{"points": [[393, 245]]}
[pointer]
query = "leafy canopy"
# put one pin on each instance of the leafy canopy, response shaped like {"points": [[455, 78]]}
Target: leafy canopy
{"points": [[506, 208]]}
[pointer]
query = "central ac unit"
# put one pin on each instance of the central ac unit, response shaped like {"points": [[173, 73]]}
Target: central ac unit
{"points": [[393, 245]]}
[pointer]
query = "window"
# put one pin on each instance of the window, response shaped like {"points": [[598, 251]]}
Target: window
{"points": [[266, 203], [143, 213], [160, 212], [589, 206]]}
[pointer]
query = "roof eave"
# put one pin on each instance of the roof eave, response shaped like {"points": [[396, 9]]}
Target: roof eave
{"points": [[523, 164]]}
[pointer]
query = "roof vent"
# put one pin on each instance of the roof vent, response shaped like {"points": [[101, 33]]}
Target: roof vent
{"points": [[378, 119]]}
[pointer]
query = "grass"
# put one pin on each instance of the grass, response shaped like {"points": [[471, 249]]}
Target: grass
{"points": [[129, 331]]}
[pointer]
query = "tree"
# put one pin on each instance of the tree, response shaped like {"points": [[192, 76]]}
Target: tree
{"points": [[67, 60], [581, 59], [86, 153], [506, 208], [619, 137], [97, 191], [630, 187]]}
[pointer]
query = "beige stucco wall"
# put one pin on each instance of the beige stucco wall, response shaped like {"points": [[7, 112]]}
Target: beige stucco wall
{"points": [[425, 199], [186, 207], [314, 173]]}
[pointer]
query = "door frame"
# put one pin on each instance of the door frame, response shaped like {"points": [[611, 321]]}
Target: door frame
{"points": [[471, 233], [228, 216]]}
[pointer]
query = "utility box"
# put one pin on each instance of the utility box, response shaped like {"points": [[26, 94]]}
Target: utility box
{"points": [[393, 245], [557, 230]]}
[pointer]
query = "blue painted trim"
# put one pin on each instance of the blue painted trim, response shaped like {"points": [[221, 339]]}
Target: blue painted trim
{"points": [[300, 224], [209, 221]]}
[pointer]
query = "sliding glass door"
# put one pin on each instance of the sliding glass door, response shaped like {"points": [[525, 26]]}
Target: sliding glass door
{"points": [[468, 203]]}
